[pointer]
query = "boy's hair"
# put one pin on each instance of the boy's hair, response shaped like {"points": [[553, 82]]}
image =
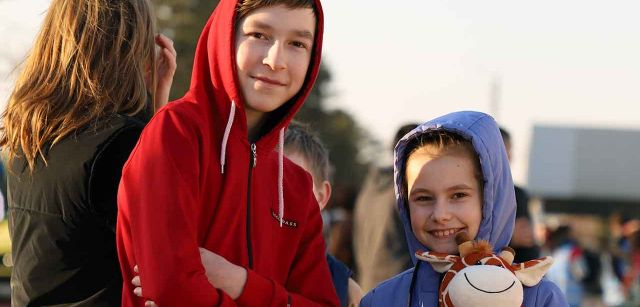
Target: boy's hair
{"points": [[247, 6], [299, 139], [88, 61], [437, 143]]}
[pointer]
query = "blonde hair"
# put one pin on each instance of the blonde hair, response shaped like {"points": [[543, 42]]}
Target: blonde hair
{"points": [[88, 62], [437, 143]]}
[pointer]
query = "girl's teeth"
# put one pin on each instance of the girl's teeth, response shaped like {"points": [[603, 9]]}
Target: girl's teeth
{"points": [[444, 233]]}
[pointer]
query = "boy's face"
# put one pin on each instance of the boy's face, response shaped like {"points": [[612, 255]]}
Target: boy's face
{"points": [[273, 49], [444, 199]]}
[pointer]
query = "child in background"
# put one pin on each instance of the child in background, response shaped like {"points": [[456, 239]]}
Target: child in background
{"points": [[307, 151], [452, 175]]}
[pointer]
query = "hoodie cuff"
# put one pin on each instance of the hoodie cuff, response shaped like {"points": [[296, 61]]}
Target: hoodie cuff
{"points": [[258, 291]]}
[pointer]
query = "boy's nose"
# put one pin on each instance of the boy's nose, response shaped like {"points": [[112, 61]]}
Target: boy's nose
{"points": [[275, 57]]}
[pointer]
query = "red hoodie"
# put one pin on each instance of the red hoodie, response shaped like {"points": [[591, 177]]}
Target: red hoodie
{"points": [[173, 197]]}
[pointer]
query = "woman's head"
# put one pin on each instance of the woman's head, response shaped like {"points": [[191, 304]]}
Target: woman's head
{"points": [[90, 59], [443, 185]]}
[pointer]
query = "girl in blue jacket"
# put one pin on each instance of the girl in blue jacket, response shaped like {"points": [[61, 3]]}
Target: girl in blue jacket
{"points": [[452, 175]]}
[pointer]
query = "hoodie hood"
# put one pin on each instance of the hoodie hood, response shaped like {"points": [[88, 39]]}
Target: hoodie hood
{"points": [[499, 204], [214, 79]]}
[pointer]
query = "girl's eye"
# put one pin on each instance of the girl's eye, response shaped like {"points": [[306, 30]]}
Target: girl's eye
{"points": [[423, 198], [459, 195]]}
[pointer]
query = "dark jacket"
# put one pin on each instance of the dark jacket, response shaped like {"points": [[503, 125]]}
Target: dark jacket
{"points": [[62, 218]]}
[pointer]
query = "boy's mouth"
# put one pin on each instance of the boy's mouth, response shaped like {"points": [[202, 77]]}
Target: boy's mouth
{"points": [[268, 81], [444, 233]]}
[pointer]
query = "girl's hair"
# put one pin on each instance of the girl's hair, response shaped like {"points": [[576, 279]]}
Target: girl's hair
{"points": [[300, 139], [437, 143], [89, 61], [247, 6]]}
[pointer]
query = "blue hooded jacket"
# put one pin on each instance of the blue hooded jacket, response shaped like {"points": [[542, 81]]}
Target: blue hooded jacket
{"points": [[498, 215]]}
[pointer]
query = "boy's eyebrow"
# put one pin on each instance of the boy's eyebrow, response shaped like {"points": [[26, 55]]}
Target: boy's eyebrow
{"points": [[304, 34], [299, 33]]}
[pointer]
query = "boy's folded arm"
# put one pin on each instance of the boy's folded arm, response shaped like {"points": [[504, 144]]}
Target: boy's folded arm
{"points": [[158, 195], [309, 282]]}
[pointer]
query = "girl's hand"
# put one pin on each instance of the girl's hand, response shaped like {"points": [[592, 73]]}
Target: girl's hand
{"points": [[165, 69], [138, 288]]}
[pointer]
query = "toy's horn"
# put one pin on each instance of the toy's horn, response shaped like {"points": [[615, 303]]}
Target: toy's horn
{"points": [[507, 254], [464, 244]]}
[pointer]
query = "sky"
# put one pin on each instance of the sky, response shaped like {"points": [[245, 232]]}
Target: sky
{"points": [[568, 63]]}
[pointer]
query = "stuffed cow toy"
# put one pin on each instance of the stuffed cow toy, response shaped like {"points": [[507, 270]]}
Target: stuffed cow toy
{"points": [[478, 277]]}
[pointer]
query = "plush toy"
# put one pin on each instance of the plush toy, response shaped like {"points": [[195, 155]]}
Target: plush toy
{"points": [[480, 278]]}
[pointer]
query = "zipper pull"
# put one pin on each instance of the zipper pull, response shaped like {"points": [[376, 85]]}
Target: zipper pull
{"points": [[254, 155]]}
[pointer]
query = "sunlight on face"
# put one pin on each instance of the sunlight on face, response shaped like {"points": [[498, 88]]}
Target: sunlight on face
{"points": [[273, 50], [444, 199]]}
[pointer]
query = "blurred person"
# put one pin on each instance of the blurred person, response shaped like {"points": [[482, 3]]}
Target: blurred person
{"points": [[569, 268], [75, 114], [631, 280], [380, 247], [622, 229], [523, 240], [452, 176], [210, 212]]}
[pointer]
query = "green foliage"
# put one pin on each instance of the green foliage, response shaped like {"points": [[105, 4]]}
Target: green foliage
{"points": [[182, 21], [340, 133]]}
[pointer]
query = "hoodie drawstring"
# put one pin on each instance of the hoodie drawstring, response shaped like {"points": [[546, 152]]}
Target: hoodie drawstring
{"points": [[281, 175], [223, 156], [225, 138]]}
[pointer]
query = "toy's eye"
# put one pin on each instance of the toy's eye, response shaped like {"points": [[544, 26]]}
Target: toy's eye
{"points": [[478, 262]]}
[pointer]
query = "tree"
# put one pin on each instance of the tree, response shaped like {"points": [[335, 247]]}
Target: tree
{"points": [[182, 21], [343, 137]]}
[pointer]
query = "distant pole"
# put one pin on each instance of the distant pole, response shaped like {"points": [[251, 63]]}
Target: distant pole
{"points": [[495, 95]]}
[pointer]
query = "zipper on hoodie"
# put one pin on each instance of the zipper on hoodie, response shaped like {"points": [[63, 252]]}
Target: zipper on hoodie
{"points": [[252, 163]]}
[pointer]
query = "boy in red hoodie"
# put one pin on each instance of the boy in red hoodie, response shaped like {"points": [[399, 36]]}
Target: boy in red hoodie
{"points": [[207, 172]]}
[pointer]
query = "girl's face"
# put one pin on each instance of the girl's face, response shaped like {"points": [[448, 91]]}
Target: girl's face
{"points": [[444, 199]]}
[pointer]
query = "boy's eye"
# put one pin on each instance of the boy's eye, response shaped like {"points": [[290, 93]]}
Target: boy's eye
{"points": [[459, 195], [299, 45], [257, 35]]}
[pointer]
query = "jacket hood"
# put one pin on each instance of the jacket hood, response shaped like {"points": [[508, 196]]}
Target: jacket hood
{"points": [[499, 204], [214, 79]]}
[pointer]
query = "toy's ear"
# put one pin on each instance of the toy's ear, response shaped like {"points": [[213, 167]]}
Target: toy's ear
{"points": [[530, 272], [440, 262]]}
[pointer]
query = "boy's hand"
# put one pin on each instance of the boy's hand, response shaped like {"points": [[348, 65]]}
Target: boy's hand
{"points": [[138, 288], [223, 274], [165, 69]]}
